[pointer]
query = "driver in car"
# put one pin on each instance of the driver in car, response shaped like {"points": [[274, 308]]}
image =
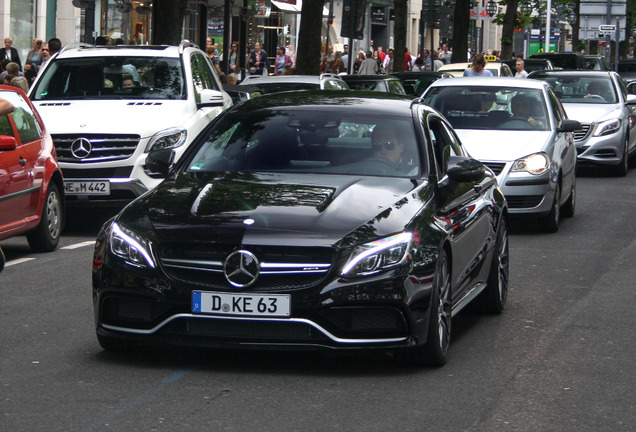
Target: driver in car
{"points": [[385, 145], [520, 106]]}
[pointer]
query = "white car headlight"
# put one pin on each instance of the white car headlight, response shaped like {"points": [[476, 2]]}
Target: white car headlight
{"points": [[536, 163], [131, 247], [378, 255], [607, 127], [167, 138]]}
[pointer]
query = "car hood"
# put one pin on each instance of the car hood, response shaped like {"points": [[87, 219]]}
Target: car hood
{"points": [[112, 116], [283, 209], [592, 113], [494, 145]]}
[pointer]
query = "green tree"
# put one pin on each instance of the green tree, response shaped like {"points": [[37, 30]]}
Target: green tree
{"points": [[309, 38], [167, 22]]}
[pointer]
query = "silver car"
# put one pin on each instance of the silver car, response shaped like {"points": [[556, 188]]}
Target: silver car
{"points": [[519, 129], [603, 105], [279, 83]]}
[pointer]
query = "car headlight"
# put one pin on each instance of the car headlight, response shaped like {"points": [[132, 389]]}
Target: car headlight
{"points": [[536, 163], [607, 127], [167, 138], [378, 255], [130, 246]]}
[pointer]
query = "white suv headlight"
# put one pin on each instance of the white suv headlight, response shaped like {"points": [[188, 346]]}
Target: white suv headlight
{"points": [[378, 255], [607, 127], [536, 163], [167, 138], [130, 246]]}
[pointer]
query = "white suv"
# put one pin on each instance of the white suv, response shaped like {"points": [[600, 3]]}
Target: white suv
{"points": [[106, 107]]}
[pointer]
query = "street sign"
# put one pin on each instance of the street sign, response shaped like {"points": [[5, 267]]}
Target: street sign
{"points": [[607, 28]]}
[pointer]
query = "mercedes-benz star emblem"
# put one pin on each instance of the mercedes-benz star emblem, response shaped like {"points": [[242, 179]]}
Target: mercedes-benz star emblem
{"points": [[81, 148], [241, 268]]}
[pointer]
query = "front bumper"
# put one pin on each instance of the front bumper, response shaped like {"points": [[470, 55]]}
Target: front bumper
{"points": [[604, 150]]}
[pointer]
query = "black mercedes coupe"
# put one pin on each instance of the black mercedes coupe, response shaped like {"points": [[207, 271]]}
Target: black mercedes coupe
{"points": [[312, 220]]}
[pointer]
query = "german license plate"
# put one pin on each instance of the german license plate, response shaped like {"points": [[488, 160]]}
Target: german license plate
{"points": [[272, 305], [83, 187]]}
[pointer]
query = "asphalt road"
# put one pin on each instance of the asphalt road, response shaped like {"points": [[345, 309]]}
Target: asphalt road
{"points": [[560, 357]]}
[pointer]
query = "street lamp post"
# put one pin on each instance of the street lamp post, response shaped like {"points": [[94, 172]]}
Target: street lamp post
{"points": [[526, 9]]}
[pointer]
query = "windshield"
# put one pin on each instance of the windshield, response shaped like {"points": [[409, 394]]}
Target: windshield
{"points": [[575, 89], [483, 107], [306, 141], [112, 78]]}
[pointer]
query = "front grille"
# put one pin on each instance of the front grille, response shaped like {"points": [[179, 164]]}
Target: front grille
{"points": [[97, 173], [524, 201], [283, 268], [496, 167], [103, 147], [581, 134]]}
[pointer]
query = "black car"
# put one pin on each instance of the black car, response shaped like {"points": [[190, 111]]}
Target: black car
{"points": [[378, 83], [564, 60], [415, 83], [531, 64], [291, 223]]}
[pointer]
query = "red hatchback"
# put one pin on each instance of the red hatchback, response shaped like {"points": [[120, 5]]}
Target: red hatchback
{"points": [[31, 187]]}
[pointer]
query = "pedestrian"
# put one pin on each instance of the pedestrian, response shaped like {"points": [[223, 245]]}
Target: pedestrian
{"points": [[418, 65], [369, 66], [437, 63], [388, 61], [282, 62], [478, 68], [9, 52], [408, 60], [359, 59], [337, 65], [520, 69], [428, 60], [34, 57], [445, 55], [46, 55], [259, 64]]}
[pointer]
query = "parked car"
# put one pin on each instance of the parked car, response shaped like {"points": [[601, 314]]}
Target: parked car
{"points": [[414, 83], [378, 83], [595, 62], [279, 83], [530, 64], [31, 183], [519, 129], [320, 219], [108, 106], [601, 102], [497, 68], [627, 70], [241, 93], [563, 60]]}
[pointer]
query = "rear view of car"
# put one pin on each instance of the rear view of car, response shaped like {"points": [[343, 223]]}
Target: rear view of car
{"points": [[31, 187]]}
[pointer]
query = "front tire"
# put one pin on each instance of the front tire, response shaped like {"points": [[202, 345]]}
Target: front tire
{"points": [[435, 351], [550, 222], [47, 234], [569, 207], [621, 169], [493, 298]]}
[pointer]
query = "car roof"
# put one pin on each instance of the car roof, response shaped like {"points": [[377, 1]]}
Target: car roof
{"points": [[490, 82], [316, 79], [584, 72], [356, 101], [382, 77], [84, 50]]}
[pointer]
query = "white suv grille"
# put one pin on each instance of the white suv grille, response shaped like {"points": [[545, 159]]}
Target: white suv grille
{"points": [[95, 148]]}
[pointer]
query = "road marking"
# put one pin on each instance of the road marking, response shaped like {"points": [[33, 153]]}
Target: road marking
{"points": [[18, 261], [79, 245]]}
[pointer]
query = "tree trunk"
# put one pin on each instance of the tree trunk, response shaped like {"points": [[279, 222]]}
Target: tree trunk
{"points": [[309, 42], [167, 20], [461, 22], [400, 10], [508, 30]]}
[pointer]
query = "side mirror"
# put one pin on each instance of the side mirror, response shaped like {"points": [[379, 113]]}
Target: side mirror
{"points": [[159, 161], [570, 126], [211, 97], [7, 143], [465, 169], [631, 88], [631, 98]]}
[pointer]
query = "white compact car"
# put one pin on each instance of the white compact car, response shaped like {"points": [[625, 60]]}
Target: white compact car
{"points": [[107, 107]]}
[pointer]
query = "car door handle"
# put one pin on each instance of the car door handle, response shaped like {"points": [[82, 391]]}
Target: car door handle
{"points": [[23, 161]]}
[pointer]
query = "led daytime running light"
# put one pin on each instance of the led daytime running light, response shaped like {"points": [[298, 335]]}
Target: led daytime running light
{"points": [[376, 247], [133, 243]]}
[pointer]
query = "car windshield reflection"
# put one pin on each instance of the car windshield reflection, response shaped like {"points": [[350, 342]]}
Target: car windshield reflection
{"points": [[304, 141]]}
